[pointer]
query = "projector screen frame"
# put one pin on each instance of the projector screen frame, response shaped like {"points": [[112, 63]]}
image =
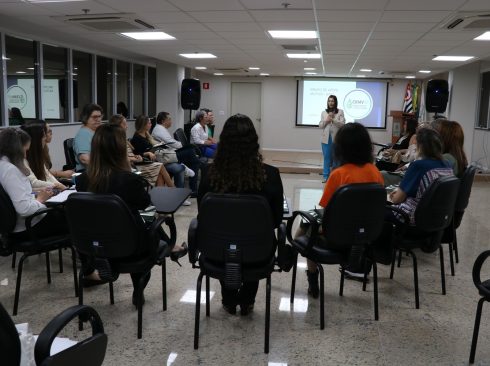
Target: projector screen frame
{"points": [[302, 79]]}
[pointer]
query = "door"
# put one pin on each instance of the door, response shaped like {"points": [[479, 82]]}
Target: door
{"points": [[246, 98]]}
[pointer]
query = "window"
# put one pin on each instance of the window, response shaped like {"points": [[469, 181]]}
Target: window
{"points": [[483, 115], [21, 96], [54, 92], [104, 85], [152, 91], [138, 90], [122, 88], [82, 81]]}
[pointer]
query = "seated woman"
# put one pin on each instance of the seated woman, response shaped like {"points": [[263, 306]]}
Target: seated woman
{"points": [[452, 137], [417, 180], [238, 168], [64, 174], [38, 161], [109, 172], [354, 153], [143, 143], [14, 144], [154, 172], [91, 118]]}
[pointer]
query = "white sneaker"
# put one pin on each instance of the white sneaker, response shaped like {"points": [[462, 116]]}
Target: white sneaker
{"points": [[188, 171], [186, 203]]}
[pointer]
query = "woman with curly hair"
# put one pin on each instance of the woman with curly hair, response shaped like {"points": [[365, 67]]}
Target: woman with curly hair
{"points": [[238, 168]]}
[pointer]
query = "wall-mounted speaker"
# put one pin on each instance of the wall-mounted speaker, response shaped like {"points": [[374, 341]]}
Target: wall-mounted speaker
{"points": [[190, 94], [436, 96]]}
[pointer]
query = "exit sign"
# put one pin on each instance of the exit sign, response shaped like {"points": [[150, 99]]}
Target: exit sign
{"points": [[205, 86]]}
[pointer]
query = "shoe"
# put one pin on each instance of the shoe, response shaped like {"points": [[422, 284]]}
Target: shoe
{"points": [[186, 203], [135, 300], [193, 195], [175, 256], [355, 276], [188, 171], [313, 288], [88, 282], [246, 309], [230, 309]]}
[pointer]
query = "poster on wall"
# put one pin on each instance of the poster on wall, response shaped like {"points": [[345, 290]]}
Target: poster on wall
{"points": [[22, 95]]}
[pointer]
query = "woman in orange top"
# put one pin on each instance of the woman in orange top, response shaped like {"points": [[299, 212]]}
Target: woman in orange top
{"points": [[354, 153]]}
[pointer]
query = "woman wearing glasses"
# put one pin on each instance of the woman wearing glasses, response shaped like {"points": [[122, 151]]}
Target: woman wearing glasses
{"points": [[91, 118]]}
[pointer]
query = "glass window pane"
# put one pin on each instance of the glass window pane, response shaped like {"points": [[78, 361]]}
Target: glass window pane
{"points": [[138, 90], [484, 100], [152, 91], [21, 92], [82, 81], [55, 87], [104, 85], [122, 88]]}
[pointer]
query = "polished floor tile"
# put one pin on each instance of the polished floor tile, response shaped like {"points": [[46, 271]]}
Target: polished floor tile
{"points": [[439, 333]]}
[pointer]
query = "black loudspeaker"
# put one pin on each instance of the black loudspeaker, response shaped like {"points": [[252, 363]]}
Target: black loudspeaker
{"points": [[190, 94], [436, 96]]}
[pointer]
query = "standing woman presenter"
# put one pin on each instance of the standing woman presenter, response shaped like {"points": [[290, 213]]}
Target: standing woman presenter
{"points": [[331, 120]]}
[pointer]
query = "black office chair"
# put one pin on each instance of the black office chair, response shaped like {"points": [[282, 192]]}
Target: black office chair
{"points": [[34, 245], [484, 290], [90, 351], [433, 215], [69, 155], [102, 226], [233, 240], [181, 136], [353, 217], [462, 200]]}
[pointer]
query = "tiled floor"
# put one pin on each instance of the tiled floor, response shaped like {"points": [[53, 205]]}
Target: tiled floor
{"points": [[439, 333]]}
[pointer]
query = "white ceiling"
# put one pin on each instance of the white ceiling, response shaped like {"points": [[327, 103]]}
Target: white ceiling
{"points": [[396, 37]]}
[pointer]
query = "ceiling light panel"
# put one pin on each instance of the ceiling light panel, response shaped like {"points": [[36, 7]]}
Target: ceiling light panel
{"points": [[197, 55], [483, 37], [293, 34], [304, 55], [452, 58], [148, 36]]}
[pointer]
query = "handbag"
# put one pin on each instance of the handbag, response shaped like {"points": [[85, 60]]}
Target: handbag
{"points": [[166, 156]]}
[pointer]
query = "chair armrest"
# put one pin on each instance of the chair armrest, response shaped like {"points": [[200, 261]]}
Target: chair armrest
{"points": [[42, 211], [314, 229], [281, 234], [48, 334], [154, 231], [477, 271], [192, 241]]}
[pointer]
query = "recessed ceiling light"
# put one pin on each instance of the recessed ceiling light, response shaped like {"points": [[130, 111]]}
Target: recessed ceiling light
{"points": [[254, 68], [303, 55], [197, 55], [425, 71], [293, 34], [20, 72], [264, 74], [410, 77], [360, 76], [200, 67], [218, 74], [310, 73], [148, 36], [483, 37], [309, 68], [452, 58], [365, 70], [30, 68]]}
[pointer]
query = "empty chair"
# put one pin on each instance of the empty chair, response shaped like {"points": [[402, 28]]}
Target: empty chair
{"points": [[89, 351], [484, 290], [353, 217], [233, 240]]}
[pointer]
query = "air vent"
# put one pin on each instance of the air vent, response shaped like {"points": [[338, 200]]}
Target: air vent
{"points": [[233, 70], [299, 47], [469, 20], [107, 22]]}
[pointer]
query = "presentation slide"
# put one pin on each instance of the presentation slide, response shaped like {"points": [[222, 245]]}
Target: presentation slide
{"points": [[362, 101]]}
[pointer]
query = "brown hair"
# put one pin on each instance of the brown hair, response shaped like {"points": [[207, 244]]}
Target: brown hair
{"points": [[140, 124], [429, 143], [108, 154], [36, 153], [12, 141], [452, 137], [237, 166]]}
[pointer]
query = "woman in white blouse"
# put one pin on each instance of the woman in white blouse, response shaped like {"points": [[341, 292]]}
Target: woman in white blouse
{"points": [[14, 144], [331, 120]]}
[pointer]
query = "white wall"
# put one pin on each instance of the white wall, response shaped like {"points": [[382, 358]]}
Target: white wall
{"points": [[169, 79], [278, 130]]}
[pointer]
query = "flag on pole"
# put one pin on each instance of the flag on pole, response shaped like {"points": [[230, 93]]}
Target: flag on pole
{"points": [[407, 100]]}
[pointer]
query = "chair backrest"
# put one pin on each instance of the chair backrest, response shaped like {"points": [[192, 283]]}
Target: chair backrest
{"points": [[465, 189], [69, 153], [242, 220], [7, 213], [102, 225], [9, 340], [180, 136], [355, 214], [436, 206]]}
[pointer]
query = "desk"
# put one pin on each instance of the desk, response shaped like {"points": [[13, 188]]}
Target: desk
{"points": [[167, 200]]}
